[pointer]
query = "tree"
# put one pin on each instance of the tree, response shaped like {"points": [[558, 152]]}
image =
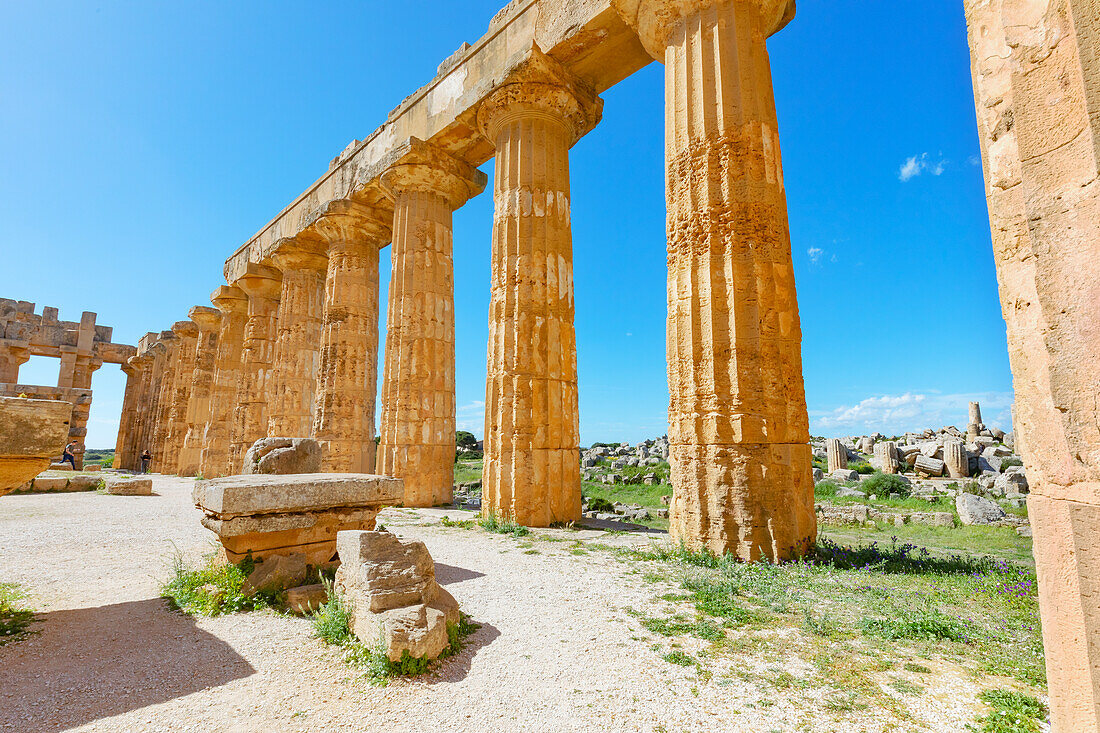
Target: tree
{"points": [[464, 439]]}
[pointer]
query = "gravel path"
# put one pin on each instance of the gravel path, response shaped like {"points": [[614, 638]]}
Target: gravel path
{"points": [[556, 651]]}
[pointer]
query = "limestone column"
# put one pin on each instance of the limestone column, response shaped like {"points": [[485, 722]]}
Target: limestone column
{"points": [[532, 437], [149, 390], [233, 305], [418, 389], [956, 458], [208, 320], [348, 377], [169, 362], [180, 395], [297, 348], [1037, 92], [13, 354], [133, 447], [836, 454], [886, 457], [739, 434], [128, 415], [974, 422], [84, 366], [262, 285]]}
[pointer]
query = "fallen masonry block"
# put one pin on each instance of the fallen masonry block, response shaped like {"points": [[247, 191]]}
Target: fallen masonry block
{"points": [[306, 599], [292, 514], [283, 456], [117, 486], [32, 432], [390, 586], [60, 467]]}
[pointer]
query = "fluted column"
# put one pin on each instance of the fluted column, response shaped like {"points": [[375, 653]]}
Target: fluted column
{"points": [[417, 427], [150, 390], [1037, 93], [180, 395], [297, 349], [169, 363], [233, 305], [348, 376], [128, 415], [208, 320], [532, 436], [836, 454], [738, 424], [956, 459], [263, 286]]}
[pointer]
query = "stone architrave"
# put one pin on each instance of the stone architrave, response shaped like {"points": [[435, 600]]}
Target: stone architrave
{"points": [[197, 414], [531, 470], [180, 394], [263, 286], [417, 426], [13, 354], [956, 458], [739, 428], [886, 457], [836, 454], [233, 305], [347, 381], [1037, 92], [297, 346]]}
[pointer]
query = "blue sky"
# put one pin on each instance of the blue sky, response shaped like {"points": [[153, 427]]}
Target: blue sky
{"points": [[143, 142]]}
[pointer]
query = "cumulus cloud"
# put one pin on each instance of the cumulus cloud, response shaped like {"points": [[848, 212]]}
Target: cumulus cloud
{"points": [[912, 411], [920, 164], [471, 417], [815, 253]]}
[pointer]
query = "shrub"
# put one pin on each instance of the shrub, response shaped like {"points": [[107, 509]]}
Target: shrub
{"points": [[214, 588], [862, 467], [826, 489], [596, 504], [1009, 462], [884, 484]]}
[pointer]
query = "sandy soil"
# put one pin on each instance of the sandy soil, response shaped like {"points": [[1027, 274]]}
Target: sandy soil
{"points": [[556, 651]]}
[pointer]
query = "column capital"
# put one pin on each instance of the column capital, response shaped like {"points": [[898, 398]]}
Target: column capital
{"points": [[297, 253], [538, 85], [425, 168], [230, 299], [185, 329], [206, 318], [654, 20], [260, 282], [343, 222], [141, 362]]}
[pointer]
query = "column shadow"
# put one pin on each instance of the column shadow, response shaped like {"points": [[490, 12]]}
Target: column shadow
{"points": [[93, 663], [450, 574]]}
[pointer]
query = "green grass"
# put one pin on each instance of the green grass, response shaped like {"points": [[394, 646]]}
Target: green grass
{"points": [[15, 616], [459, 524], [468, 470], [647, 496], [1012, 712], [1009, 462], [213, 588], [499, 525], [332, 625], [998, 542]]}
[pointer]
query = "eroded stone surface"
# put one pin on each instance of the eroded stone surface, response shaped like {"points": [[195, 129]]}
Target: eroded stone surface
{"points": [[283, 456], [32, 433], [120, 486]]}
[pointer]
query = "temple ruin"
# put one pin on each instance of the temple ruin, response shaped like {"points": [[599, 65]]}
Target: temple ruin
{"points": [[82, 348], [292, 347]]}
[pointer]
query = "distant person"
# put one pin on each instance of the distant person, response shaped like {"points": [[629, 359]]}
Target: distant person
{"points": [[68, 454], [146, 456]]}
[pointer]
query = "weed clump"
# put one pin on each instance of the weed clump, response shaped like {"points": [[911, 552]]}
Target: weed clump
{"points": [[214, 588], [885, 484], [492, 523], [15, 617], [1012, 712]]}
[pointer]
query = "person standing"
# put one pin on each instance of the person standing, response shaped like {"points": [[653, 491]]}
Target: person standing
{"points": [[69, 454], [146, 456]]}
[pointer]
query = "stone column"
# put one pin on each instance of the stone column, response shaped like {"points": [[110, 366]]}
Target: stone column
{"points": [[141, 364], [886, 457], [233, 305], [208, 320], [1037, 91], [836, 454], [128, 416], [956, 459], [165, 388], [262, 285], [974, 422], [13, 354], [532, 436], [867, 445], [154, 369], [348, 377], [297, 349], [84, 366], [739, 429], [418, 389]]}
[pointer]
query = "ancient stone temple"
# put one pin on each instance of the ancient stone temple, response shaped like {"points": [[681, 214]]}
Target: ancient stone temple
{"points": [[293, 350], [83, 347]]}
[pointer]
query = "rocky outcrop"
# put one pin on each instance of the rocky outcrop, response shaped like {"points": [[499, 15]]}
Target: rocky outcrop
{"points": [[283, 456], [390, 585], [32, 433]]}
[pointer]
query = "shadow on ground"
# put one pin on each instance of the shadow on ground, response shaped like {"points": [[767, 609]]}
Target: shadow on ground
{"points": [[456, 668], [450, 574], [607, 524], [94, 663]]}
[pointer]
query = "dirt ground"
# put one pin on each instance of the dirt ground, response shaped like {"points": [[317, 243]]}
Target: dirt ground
{"points": [[556, 651]]}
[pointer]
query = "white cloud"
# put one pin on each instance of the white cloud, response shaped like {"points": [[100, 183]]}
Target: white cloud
{"points": [[919, 164], [815, 253], [896, 414], [471, 418]]}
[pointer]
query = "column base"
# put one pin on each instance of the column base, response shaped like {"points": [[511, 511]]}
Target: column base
{"points": [[535, 488], [755, 501], [427, 470]]}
